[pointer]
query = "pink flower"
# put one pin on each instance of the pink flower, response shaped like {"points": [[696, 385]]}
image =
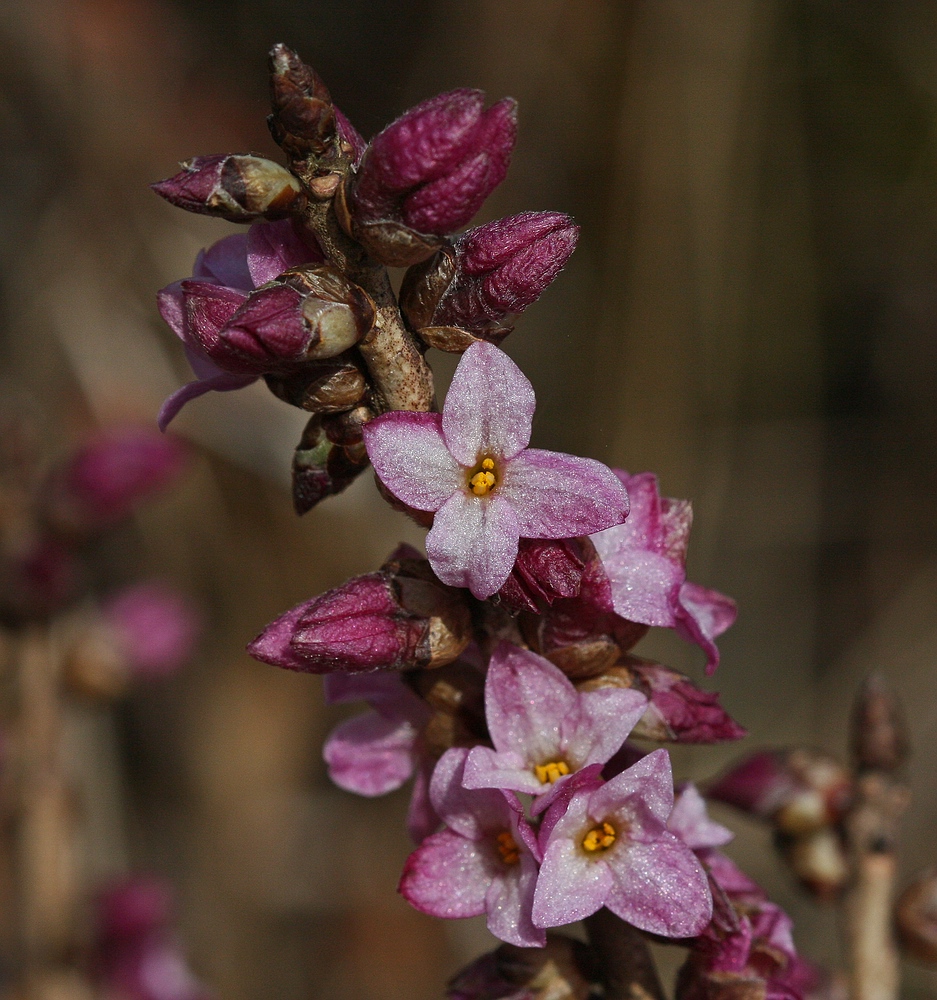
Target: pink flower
{"points": [[376, 752], [542, 727], [612, 848], [690, 821], [484, 861], [645, 559], [197, 309], [472, 467]]}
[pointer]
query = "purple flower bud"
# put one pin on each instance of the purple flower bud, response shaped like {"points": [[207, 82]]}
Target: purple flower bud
{"points": [[134, 907], [397, 618], [106, 479], [428, 173], [239, 188], [156, 628], [303, 121], [322, 467], [470, 289], [311, 314], [545, 571], [797, 790]]}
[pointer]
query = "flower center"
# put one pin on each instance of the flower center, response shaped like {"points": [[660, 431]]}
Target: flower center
{"points": [[552, 771], [599, 838], [508, 850], [483, 479]]}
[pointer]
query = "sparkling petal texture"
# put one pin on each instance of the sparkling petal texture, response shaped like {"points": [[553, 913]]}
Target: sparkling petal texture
{"points": [[447, 876], [649, 781], [508, 904], [691, 823], [471, 813], [369, 754], [489, 408], [561, 496], [473, 543], [410, 457]]}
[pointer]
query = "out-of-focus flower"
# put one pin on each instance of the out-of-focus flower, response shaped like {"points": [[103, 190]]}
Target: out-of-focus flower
{"points": [[483, 861], [396, 618], [471, 466], [38, 575], [542, 728], [645, 559], [611, 847], [198, 308], [469, 290], [108, 477], [428, 173]]}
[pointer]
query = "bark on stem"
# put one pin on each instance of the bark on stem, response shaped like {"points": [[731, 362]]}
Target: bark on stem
{"points": [[627, 967]]}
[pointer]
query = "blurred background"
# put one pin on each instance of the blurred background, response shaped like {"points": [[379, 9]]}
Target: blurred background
{"points": [[751, 313]]}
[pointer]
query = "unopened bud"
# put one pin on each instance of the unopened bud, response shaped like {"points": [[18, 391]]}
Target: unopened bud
{"points": [[391, 619], [322, 468], [678, 711], [236, 187], [797, 790], [545, 571], [470, 290], [330, 386], [427, 174], [916, 918], [310, 314], [303, 118], [818, 861], [879, 738]]}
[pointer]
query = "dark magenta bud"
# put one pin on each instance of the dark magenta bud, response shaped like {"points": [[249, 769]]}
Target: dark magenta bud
{"points": [[427, 174], [488, 274], [545, 571], [106, 479], [236, 187], [303, 117], [208, 307], [322, 467], [310, 314], [397, 618]]}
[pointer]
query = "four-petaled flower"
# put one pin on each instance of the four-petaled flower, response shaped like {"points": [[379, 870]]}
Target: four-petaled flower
{"points": [[472, 467]]}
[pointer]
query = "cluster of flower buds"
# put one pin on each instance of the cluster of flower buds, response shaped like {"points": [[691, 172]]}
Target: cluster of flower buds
{"points": [[135, 953]]}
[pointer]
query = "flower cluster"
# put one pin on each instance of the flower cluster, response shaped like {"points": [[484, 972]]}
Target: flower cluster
{"points": [[498, 670]]}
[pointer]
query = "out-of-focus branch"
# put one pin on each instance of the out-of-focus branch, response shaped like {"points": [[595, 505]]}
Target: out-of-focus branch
{"points": [[879, 748], [624, 957]]}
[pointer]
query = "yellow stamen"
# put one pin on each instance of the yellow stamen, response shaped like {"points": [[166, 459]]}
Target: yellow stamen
{"points": [[552, 771], [510, 855], [483, 481], [599, 838]]}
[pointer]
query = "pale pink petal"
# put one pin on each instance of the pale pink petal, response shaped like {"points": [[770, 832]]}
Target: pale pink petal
{"points": [[659, 887], [690, 821], [473, 542], [385, 691], [410, 458], [487, 768], [471, 813], [642, 530], [562, 496], [226, 263], [508, 904], [369, 754], [607, 717], [447, 876], [701, 616], [489, 408], [570, 886], [275, 247], [644, 585], [649, 781], [192, 390]]}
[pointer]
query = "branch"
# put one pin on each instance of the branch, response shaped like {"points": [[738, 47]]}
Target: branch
{"points": [[624, 958]]}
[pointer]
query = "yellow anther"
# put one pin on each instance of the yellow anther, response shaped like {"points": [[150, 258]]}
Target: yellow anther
{"points": [[482, 483], [599, 838], [510, 855], [488, 464], [552, 771]]}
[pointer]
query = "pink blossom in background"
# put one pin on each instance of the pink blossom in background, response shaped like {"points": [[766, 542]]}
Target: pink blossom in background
{"points": [[156, 627], [471, 466]]}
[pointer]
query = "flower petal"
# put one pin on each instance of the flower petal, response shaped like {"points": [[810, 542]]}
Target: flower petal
{"points": [[470, 812], [562, 496], [569, 886], [275, 247], [192, 390], [508, 904], [487, 768], [226, 263], [607, 717], [489, 408], [447, 876], [473, 542], [659, 887], [170, 301], [649, 782], [644, 585], [410, 457], [701, 616], [369, 754], [690, 821]]}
